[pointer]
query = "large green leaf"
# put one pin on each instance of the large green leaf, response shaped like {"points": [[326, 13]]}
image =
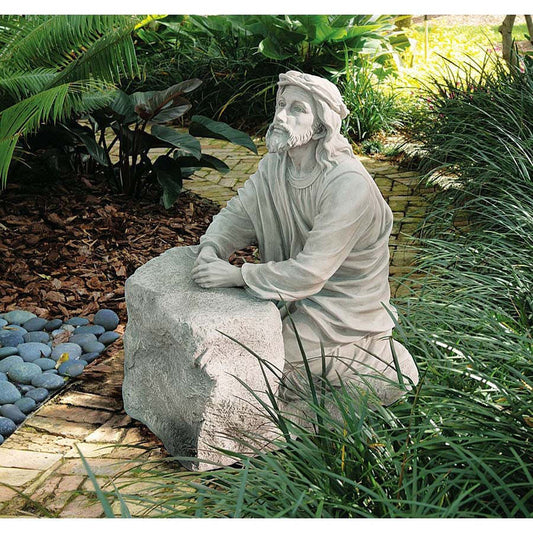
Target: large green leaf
{"points": [[124, 106], [271, 49], [205, 127], [206, 161], [86, 136], [183, 141], [168, 174]]}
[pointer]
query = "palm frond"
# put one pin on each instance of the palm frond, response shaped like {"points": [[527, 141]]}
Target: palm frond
{"points": [[21, 84]]}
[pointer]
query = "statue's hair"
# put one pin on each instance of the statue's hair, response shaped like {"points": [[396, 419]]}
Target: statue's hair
{"points": [[333, 143]]}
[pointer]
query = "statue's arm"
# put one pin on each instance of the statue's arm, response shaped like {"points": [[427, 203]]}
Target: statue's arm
{"points": [[344, 218], [230, 230]]}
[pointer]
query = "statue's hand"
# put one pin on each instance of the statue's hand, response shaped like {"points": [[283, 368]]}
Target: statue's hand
{"points": [[206, 255], [218, 273]]}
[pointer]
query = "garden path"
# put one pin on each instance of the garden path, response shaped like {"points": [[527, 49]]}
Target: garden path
{"points": [[40, 461]]}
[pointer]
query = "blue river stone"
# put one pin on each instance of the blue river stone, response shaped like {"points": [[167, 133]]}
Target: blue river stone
{"points": [[52, 370], [26, 404], [53, 324], [18, 317], [3, 322], [13, 413], [80, 338], [5, 364], [1, 439], [37, 395], [8, 350], [7, 426], [30, 351], [11, 338], [45, 363], [108, 337], [35, 324], [73, 350], [48, 381], [37, 336], [24, 372], [8, 393], [24, 388], [15, 329], [94, 346], [72, 368], [106, 318], [77, 321], [94, 329], [89, 357], [3, 377]]}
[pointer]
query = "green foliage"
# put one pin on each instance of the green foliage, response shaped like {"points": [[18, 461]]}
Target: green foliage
{"points": [[239, 58], [55, 66], [128, 118]]}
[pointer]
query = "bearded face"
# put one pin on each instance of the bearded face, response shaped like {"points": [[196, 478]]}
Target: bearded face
{"points": [[295, 121]]}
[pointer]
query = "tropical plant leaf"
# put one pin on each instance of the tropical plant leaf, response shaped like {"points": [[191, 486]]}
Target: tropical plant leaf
{"points": [[207, 161], [205, 127], [86, 136], [168, 174], [183, 141]]}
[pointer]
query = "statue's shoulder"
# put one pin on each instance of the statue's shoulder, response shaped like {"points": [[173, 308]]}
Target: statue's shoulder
{"points": [[349, 171]]}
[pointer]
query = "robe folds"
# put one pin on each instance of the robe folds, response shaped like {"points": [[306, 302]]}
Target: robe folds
{"points": [[323, 241]]}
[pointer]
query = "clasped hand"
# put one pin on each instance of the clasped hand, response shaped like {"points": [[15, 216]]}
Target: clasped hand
{"points": [[211, 272]]}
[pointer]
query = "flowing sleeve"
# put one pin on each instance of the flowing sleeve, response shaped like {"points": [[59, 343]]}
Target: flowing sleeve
{"points": [[344, 217], [232, 228]]}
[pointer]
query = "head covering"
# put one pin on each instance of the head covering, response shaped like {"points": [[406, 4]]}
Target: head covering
{"points": [[318, 87]]}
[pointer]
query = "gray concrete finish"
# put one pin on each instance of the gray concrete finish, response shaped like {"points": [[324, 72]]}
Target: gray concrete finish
{"points": [[181, 374]]}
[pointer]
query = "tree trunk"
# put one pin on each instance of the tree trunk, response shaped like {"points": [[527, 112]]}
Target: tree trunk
{"points": [[529, 23], [506, 29]]}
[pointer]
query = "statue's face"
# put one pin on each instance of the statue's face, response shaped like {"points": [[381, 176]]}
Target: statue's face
{"points": [[294, 122]]}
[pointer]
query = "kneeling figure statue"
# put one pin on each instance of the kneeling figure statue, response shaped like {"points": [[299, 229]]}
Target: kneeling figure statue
{"points": [[322, 228]]}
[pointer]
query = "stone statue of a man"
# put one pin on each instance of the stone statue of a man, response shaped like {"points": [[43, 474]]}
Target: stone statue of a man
{"points": [[322, 228]]}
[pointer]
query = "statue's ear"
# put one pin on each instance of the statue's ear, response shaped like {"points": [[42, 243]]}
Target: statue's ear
{"points": [[320, 132]]}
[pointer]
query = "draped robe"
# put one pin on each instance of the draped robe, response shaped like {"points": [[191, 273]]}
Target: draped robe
{"points": [[323, 241]]}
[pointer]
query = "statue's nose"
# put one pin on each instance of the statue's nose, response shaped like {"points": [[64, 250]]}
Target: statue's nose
{"points": [[281, 116]]}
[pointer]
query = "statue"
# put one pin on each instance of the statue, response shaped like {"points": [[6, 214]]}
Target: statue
{"points": [[322, 228]]}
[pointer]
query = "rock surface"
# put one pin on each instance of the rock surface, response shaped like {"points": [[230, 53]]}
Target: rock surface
{"points": [[180, 373]]}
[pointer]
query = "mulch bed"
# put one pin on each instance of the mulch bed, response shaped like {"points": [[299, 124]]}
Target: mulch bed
{"points": [[67, 246]]}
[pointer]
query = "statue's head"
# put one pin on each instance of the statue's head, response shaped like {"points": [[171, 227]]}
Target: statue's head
{"points": [[308, 108]]}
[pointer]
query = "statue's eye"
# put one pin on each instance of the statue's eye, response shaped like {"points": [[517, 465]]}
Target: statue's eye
{"points": [[281, 104], [299, 109]]}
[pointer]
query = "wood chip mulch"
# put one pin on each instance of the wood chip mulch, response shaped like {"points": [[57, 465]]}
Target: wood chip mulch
{"points": [[67, 247]]}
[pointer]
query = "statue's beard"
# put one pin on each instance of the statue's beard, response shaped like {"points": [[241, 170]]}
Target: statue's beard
{"points": [[280, 138]]}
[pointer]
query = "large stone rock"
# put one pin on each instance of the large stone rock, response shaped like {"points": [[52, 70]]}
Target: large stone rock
{"points": [[180, 373]]}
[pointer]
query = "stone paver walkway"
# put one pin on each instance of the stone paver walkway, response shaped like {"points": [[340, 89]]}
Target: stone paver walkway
{"points": [[41, 473]]}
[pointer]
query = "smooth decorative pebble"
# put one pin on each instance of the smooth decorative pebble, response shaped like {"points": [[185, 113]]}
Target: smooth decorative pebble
{"points": [[8, 393], [11, 338], [18, 317], [26, 404], [25, 388], [93, 346], [72, 368], [30, 351], [79, 338], [106, 318], [15, 328], [35, 324], [89, 357], [5, 364], [45, 363], [53, 324], [108, 337], [8, 350], [13, 413], [68, 327], [3, 322], [37, 336], [3, 377], [77, 321], [95, 330], [52, 370], [48, 381], [7, 426], [24, 372], [37, 395], [73, 350], [1, 439]]}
